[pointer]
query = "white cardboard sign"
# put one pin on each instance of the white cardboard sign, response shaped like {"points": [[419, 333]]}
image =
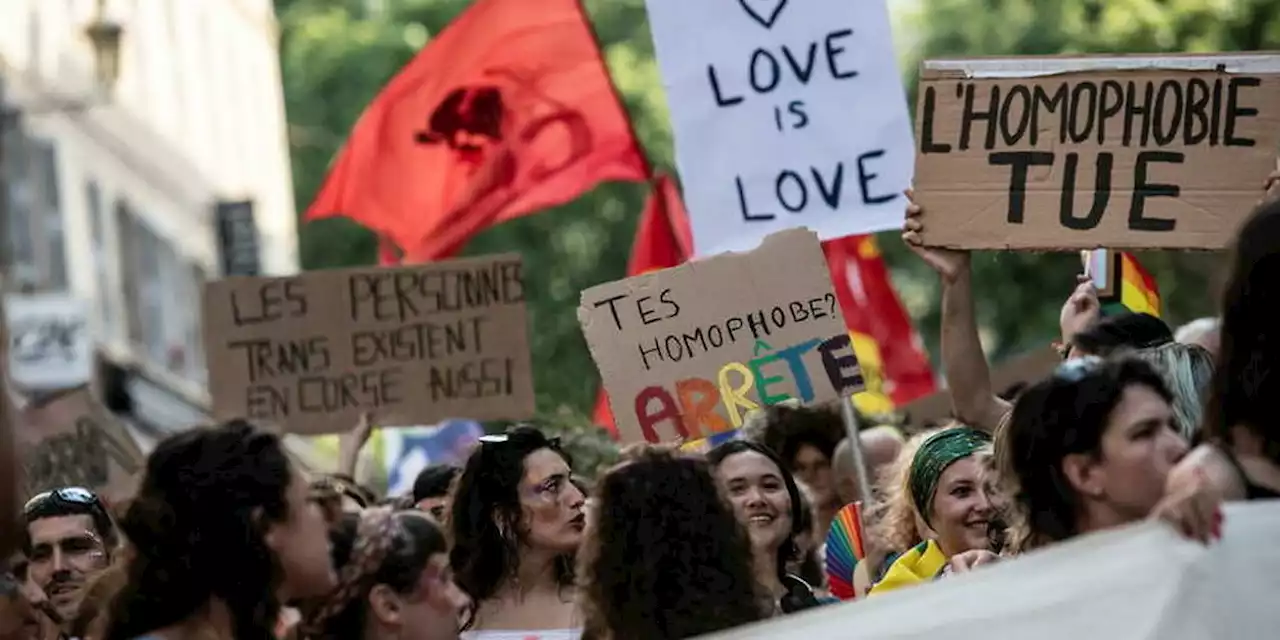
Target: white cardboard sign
{"points": [[50, 346], [786, 113]]}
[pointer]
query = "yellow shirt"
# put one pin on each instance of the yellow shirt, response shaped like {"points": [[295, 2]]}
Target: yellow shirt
{"points": [[920, 564]]}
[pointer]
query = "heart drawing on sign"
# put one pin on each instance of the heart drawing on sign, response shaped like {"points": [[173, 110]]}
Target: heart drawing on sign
{"points": [[759, 9]]}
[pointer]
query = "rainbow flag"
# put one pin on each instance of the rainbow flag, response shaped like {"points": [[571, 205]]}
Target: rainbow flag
{"points": [[1138, 290]]}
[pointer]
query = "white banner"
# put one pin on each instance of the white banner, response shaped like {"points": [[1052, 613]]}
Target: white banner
{"points": [[786, 114], [1137, 583], [49, 342]]}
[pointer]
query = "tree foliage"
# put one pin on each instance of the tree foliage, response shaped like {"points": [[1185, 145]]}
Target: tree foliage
{"points": [[336, 54]]}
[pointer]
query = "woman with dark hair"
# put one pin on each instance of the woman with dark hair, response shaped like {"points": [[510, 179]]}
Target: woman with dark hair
{"points": [[806, 439], [664, 556], [516, 521], [1241, 451], [221, 533], [766, 500], [1090, 448], [394, 581]]}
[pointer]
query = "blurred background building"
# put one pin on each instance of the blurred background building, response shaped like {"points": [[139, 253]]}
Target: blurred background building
{"points": [[136, 167]]}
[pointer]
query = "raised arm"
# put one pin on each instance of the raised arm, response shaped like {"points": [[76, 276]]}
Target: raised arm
{"points": [[963, 361]]}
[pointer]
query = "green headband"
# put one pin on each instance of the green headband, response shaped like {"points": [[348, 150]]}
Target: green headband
{"points": [[935, 454]]}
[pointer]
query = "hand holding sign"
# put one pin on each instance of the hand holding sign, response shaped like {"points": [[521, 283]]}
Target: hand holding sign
{"points": [[949, 264], [1081, 309]]}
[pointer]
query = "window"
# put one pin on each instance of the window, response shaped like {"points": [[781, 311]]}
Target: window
{"points": [[104, 290], [162, 290], [49, 203], [37, 240], [20, 200]]}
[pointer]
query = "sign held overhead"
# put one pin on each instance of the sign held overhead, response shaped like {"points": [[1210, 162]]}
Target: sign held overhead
{"points": [[686, 352], [412, 345], [1077, 153], [786, 114]]}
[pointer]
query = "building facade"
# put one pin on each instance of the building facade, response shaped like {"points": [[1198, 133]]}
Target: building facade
{"points": [[131, 203]]}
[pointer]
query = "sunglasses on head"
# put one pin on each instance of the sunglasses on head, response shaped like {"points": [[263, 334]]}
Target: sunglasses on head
{"points": [[501, 438], [65, 495], [1076, 369]]}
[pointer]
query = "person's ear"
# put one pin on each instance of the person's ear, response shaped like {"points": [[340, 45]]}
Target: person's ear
{"points": [[1085, 475], [270, 533], [385, 605]]}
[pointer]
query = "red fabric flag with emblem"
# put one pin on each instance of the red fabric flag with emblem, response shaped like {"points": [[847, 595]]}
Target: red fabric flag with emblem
{"points": [[663, 239], [871, 307], [507, 111]]}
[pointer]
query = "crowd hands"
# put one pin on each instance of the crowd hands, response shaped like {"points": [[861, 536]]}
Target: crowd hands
{"points": [[226, 538]]}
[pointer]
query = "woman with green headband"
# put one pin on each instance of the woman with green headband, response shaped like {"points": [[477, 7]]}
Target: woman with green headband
{"points": [[947, 488]]}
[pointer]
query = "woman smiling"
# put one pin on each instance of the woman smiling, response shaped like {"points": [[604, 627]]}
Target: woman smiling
{"points": [[947, 488], [767, 502]]}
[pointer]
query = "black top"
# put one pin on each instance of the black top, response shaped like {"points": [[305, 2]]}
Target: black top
{"points": [[1251, 491]]}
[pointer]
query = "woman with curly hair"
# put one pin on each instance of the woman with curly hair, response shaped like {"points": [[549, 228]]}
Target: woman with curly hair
{"points": [[394, 581], [665, 557], [893, 527], [766, 501], [516, 521], [944, 496], [221, 533]]}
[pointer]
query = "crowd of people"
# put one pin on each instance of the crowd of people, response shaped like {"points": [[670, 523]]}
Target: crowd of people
{"points": [[226, 538]]}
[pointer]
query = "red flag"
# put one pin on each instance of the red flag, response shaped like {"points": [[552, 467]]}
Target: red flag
{"points": [[663, 239], [508, 111], [871, 308], [388, 253]]}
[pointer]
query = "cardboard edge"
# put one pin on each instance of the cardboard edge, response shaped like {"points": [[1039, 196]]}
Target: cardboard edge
{"points": [[508, 256], [1039, 66], [775, 237], [993, 246]]}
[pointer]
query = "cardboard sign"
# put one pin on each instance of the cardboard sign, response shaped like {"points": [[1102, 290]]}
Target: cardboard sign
{"points": [[785, 114], [51, 347], [71, 440], [1165, 152], [412, 345], [686, 352]]}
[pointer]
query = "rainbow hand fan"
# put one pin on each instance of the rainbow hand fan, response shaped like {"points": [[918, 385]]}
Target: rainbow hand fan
{"points": [[844, 550]]}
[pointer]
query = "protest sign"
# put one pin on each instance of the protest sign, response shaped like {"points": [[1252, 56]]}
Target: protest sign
{"points": [[688, 351], [50, 343], [1136, 583], [785, 114], [69, 439], [1078, 153], [411, 345]]}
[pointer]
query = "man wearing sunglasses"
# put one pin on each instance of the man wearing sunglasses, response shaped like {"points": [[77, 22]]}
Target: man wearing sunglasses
{"points": [[70, 538]]}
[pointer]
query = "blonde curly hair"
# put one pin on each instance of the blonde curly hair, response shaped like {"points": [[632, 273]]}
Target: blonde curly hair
{"points": [[896, 524]]}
